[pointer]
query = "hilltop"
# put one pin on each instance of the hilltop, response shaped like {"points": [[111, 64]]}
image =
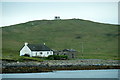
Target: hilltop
{"points": [[100, 41]]}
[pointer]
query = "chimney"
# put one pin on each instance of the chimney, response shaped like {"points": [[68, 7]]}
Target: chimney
{"points": [[26, 43], [44, 43]]}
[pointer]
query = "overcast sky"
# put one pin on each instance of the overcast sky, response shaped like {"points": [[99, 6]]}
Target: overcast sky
{"points": [[20, 12]]}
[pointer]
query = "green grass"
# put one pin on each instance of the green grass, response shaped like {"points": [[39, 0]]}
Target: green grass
{"points": [[22, 59], [100, 41]]}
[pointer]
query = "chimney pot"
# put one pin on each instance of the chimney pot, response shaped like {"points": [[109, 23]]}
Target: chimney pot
{"points": [[44, 43], [26, 43]]}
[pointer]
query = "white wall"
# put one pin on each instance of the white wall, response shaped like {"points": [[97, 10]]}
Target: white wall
{"points": [[41, 53], [25, 50]]}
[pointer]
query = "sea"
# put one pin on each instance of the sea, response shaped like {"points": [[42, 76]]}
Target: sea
{"points": [[105, 73]]}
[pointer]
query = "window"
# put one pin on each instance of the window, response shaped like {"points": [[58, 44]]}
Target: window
{"points": [[72, 55], [50, 52], [47, 52], [40, 52]]}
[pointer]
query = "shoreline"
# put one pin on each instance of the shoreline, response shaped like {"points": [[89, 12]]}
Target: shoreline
{"points": [[54, 65]]}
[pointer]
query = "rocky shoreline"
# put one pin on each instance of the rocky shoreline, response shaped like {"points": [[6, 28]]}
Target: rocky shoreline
{"points": [[51, 65]]}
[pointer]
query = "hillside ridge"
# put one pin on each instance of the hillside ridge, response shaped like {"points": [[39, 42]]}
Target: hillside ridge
{"points": [[60, 19], [97, 39]]}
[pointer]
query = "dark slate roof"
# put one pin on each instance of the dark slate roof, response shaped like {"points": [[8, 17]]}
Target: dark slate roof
{"points": [[69, 50], [38, 47]]}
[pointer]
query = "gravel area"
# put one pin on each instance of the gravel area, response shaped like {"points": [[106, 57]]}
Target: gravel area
{"points": [[63, 62], [51, 65]]}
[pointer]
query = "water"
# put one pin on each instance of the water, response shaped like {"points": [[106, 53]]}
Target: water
{"points": [[111, 73]]}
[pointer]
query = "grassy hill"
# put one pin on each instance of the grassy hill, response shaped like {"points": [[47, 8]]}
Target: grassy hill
{"points": [[100, 41]]}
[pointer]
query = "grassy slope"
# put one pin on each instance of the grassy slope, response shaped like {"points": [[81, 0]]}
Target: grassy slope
{"points": [[99, 40]]}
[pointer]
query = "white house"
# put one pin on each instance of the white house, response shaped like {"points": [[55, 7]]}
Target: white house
{"points": [[33, 50]]}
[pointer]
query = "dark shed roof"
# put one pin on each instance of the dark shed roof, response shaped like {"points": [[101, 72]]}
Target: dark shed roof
{"points": [[38, 47], [69, 50]]}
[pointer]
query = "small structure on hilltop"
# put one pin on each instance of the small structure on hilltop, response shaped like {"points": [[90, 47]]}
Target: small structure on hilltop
{"points": [[57, 17], [71, 53], [35, 50]]}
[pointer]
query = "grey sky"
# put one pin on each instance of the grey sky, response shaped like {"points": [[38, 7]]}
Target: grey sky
{"points": [[20, 12]]}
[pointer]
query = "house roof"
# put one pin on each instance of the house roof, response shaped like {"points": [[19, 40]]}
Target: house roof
{"points": [[38, 47]]}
